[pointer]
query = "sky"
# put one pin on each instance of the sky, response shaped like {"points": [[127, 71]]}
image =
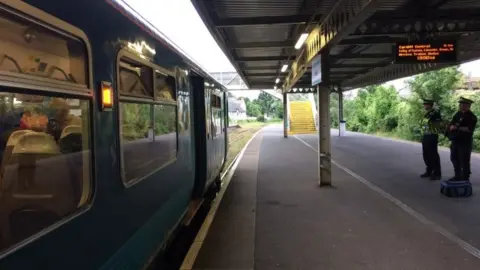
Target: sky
{"points": [[179, 21]]}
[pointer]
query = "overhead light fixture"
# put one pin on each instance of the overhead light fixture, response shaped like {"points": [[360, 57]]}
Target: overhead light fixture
{"points": [[301, 40], [284, 68], [277, 80]]}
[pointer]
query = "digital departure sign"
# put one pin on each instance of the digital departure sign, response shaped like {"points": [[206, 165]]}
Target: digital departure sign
{"points": [[429, 51]]}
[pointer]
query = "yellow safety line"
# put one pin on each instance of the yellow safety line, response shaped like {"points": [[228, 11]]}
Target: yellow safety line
{"points": [[192, 254]]}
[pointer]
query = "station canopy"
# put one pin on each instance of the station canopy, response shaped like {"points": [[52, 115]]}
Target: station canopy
{"points": [[366, 41]]}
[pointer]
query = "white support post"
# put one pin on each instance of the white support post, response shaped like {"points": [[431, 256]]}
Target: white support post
{"points": [[341, 122], [324, 156]]}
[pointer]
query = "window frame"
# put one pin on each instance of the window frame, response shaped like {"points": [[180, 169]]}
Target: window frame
{"points": [[125, 53], [31, 84]]}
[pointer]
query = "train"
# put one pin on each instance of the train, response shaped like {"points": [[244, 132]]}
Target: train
{"points": [[111, 136]]}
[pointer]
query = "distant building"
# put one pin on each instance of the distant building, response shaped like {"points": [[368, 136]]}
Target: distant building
{"points": [[469, 87], [237, 109], [470, 84]]}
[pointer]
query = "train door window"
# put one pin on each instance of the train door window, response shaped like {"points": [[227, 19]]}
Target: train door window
{"points": [[208, 115], [220, 115], [41, 132], [183, 101], [216, 109], [148, 118]]}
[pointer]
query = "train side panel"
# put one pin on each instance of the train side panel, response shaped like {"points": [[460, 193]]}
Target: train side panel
{"points": [[125, 225]]}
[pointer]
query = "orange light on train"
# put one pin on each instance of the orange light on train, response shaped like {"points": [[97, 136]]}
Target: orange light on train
{"points": [[107, 96]]}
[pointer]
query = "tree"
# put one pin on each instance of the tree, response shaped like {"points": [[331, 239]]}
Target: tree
{"points": [[278, 109], [334, 110], [373, 110], [253, 109], [266, 102], [438, 85]]}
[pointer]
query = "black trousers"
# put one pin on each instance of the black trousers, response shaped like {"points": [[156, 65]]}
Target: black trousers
{"points": [[430, 154], [460, 152]]}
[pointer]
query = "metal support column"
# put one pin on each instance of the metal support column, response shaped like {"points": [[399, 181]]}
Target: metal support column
{"points": [[324, 156], [285, 115], [341, 124]]}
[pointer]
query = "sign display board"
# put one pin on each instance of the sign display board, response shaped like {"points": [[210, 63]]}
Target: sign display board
{"points": [[428, 51], [317, 70]]}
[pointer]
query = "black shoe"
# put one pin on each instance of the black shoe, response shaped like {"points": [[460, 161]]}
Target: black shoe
{"points": [[455, 178], [425, 175]]}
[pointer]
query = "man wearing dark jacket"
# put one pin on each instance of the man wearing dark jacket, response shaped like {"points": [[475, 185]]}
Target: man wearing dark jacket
{"points": [[460, 133]]}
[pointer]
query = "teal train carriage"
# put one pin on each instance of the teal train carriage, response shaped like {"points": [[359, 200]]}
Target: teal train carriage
{"points": [[110, 136]]}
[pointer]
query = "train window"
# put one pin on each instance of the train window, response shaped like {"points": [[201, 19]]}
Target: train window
{"points": [[28, 48], [136, 120], [148, 124], [213, 100], [216, 101], [164, 86], [40, 135], [135, 80], [165, 132]]}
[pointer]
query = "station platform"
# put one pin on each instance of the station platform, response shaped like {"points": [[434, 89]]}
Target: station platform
{"points": [[377, 215]]}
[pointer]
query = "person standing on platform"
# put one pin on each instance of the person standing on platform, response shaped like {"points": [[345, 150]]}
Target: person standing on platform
{"points": [[460, 132], [430, 128]]}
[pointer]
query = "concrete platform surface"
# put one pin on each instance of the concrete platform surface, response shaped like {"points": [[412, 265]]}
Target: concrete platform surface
{"points": [[274, 215], [395, 166]]}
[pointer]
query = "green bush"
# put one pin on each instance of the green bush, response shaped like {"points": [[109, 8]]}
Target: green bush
{"points": [[261, 118], [380, 109]]}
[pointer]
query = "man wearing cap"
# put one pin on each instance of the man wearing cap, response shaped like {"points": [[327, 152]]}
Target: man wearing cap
{"points": [[430, 129], [460, 133]]}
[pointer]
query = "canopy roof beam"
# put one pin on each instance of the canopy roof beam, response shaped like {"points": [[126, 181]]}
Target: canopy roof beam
{"points": [[267, 20], [344, 18]]}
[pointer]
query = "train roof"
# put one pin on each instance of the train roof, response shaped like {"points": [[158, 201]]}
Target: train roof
{"points": [[129, 12]]}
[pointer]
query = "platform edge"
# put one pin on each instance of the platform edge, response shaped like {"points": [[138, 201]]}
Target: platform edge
{"points": [[196, 246]]}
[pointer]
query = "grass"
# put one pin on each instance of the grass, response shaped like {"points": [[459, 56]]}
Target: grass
{"points": [[239, 136], [275, 121], [392, 135]]}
